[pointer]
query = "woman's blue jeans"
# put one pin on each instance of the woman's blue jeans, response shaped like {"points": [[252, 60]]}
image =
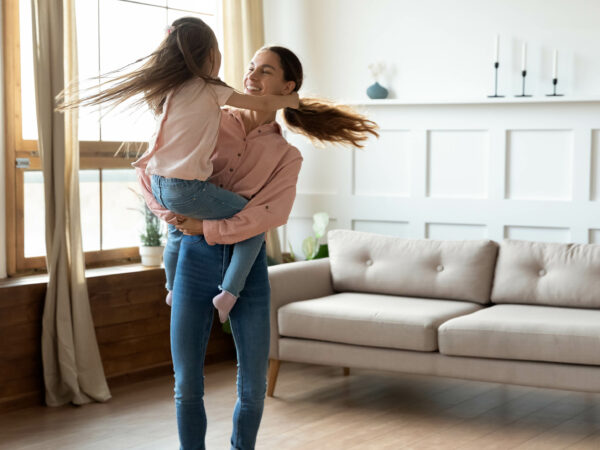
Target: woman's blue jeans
{"points": [[200, 268], [204, 200]]}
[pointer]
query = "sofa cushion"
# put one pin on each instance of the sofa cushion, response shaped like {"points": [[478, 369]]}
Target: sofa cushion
{"points": [[370, 320], [525, 332], [548, 274], [367, 262]]}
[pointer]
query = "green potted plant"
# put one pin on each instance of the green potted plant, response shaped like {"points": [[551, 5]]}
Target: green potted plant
{"points": [[151, 249], [151, 240], [310, 246]]}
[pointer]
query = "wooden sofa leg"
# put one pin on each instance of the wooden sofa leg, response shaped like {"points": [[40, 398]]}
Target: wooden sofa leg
{"points": [[346, 371], [272, 377]]}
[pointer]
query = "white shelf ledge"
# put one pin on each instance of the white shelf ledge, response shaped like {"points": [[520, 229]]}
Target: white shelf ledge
{"points": [[473, 101]]}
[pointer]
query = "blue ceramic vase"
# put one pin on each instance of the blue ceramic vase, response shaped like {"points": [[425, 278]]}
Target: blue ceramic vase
{"points": [[377, 91]]}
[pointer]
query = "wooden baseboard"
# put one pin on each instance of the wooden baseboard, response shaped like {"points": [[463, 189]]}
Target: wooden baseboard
{"points": [[21, 401]]}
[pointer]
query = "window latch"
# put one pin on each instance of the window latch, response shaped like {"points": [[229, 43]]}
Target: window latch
{"points": [[22, 163]]}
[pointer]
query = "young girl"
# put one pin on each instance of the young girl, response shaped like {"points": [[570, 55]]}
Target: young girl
{"points": [[179, 82]]}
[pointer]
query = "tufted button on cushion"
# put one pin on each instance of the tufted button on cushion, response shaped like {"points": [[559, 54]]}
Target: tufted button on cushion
{"points": [[369, 262], [542, 272], [439, 268]]}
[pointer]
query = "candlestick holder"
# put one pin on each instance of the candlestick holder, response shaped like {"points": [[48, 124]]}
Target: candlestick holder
{"points": [[524, 75], [554, 94], [496, 65]]}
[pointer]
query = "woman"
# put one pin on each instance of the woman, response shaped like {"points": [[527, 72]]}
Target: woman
{"points": [[251, 159]]}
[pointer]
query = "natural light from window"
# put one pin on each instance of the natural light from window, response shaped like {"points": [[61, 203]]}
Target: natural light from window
{"points": [[110, 35]]}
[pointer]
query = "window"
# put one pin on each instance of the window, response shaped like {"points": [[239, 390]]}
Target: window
{"points": [[110, 34]]}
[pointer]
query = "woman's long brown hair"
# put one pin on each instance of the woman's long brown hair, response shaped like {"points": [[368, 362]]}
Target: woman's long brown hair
{"points": [[318, 119], [182, 55]]}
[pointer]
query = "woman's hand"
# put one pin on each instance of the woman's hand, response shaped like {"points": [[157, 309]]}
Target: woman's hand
{"points": [[190, 226]]}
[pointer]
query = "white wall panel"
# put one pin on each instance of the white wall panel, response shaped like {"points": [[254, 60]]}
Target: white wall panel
{"points": [[455, 231], [383, 166], [542, 234], [539, 165], [458, 163], [320, 174], [595, 172], [399, 229], [594, 236]]}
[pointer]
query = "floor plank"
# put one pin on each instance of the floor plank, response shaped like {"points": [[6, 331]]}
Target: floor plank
{"points": [[319, 408]]}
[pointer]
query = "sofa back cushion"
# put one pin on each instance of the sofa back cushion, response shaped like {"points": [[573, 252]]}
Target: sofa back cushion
{"points": [[540, 273], [456, 270]]}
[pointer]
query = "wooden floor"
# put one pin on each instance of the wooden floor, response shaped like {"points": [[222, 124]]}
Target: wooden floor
{"points": [[318, 408]]}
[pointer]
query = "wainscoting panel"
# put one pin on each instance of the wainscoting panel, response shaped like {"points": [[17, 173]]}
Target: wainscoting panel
{"points": [[399, 229], [539, 165], [457, 164], [455, 231], [545, 234], [320, 174], [383, 167], [520, 169]]}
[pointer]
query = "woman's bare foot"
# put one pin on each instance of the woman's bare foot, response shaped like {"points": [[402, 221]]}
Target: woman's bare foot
{"points": [[169, 299], [224, 302]]}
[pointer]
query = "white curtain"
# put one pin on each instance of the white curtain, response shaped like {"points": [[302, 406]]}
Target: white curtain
{"points": [[243, 31], [73, 369], [2, 167]]}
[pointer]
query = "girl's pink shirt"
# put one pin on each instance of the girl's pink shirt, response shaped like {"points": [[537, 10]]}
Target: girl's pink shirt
{"points": [[260, 166], [187, 132]]}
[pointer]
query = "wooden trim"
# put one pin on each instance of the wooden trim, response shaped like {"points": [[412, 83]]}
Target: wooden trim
{"points": [[112, 149], [26, 145], [98, 258], [120, 150], [131, 254], [12, 105]]}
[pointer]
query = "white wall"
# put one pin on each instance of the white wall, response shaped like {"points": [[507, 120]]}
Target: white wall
{"points": [[495, 169], [2, 176], [438, 49]]}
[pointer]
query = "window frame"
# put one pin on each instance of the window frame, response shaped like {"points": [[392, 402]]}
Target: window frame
{"points": [[93, 155]]}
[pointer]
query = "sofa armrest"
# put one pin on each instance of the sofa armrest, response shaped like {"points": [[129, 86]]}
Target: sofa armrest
{"points": [[296, 281]]}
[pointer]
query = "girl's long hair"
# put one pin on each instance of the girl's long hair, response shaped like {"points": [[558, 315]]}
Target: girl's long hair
{"points": [[318, 119], [183, 54]]}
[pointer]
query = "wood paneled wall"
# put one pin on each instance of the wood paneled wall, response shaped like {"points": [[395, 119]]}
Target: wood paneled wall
{"points": [[132, 328]]}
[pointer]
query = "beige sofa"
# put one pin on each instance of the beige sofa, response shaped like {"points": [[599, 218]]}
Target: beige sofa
{"points": [[517, 312]]}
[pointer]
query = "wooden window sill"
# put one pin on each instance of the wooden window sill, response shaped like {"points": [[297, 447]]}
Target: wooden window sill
{"points": [[24, 280]]}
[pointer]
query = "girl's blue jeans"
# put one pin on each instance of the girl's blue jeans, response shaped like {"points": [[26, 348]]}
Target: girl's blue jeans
{"points": [[200, 268], [204, 200]]}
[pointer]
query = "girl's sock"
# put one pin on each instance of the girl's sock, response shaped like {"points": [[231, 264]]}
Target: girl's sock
{"points": [[169, 299], [224, 302]]}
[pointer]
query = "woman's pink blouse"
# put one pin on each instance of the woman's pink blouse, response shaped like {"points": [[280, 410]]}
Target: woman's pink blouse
{"points": [[260, 166]]}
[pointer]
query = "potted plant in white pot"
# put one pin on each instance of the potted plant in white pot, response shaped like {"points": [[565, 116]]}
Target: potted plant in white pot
{"points": [[151, 248], [311, 247]]}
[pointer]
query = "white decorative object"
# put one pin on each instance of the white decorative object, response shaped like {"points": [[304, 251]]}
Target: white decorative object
{"points": [[524, 57], [376, 70], [497, 49], [151, 256], [555, 64]]}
